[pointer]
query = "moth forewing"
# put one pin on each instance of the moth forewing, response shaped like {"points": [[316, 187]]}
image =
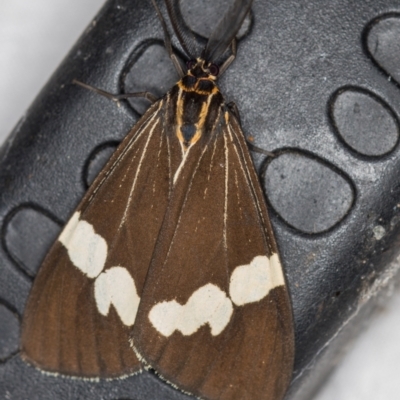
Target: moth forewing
{"points": [[170, 260], [215, 312], [74, 322]]}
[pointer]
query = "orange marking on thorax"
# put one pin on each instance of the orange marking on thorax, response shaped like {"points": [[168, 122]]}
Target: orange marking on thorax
{"points": [[180, 109], [179, 115]]}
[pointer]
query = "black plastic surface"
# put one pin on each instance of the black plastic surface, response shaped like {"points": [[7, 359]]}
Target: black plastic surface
{"points": [[315, 81]]}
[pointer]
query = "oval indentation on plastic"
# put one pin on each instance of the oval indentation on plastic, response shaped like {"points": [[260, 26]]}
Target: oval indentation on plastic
{"points": [[28, 234], [382, 42], [203, 16], [306, 192], [97, 160], [151, 70], [364, 121], [9, 332]]}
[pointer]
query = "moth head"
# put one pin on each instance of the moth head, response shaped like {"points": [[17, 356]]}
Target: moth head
{"points": [[222, 37], [200, 68]]}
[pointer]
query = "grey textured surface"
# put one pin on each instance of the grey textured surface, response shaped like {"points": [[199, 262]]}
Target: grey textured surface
{"points": [[298, 56]]}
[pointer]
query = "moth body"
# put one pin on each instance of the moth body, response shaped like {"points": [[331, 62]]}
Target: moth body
{"points": [[169, 261]]}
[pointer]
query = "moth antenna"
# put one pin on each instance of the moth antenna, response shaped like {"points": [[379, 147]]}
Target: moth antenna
{"points": [[185, 36], [226, 30], [167, 41]]}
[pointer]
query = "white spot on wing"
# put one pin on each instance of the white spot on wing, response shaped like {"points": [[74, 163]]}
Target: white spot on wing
{"points": [[252, 282], [86, 249], [69, 228], [117, 287], [208, 304]]}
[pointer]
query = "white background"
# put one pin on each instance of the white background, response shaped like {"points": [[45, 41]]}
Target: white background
{"points": [[35, 35]]}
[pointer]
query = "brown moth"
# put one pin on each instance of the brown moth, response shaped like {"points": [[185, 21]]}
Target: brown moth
{"points": [[170, 261]]}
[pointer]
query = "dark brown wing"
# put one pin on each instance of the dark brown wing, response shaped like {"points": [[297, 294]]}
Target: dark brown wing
{"points": [[215, 317], [84, 299]]}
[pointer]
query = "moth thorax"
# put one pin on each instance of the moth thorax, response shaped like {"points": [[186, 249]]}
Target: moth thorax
{"points": [[202, 86]]}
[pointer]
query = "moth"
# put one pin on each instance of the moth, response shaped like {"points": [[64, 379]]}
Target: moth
{"points": [[169, 262]]}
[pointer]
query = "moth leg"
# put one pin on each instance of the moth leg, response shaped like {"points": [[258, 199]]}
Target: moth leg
{"points": [[235, 111], [259, 150], [230, 59], [117, 97]]}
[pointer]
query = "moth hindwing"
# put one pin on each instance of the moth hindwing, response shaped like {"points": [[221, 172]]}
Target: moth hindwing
{"points": [[170, 261]]}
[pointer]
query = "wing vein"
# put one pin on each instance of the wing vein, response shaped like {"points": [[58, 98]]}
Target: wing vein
{"points": [[127, 148], [123, 219]]}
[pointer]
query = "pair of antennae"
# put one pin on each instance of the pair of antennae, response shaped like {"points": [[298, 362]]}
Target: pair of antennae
{"points": [[222, 37], [219, 41]]}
